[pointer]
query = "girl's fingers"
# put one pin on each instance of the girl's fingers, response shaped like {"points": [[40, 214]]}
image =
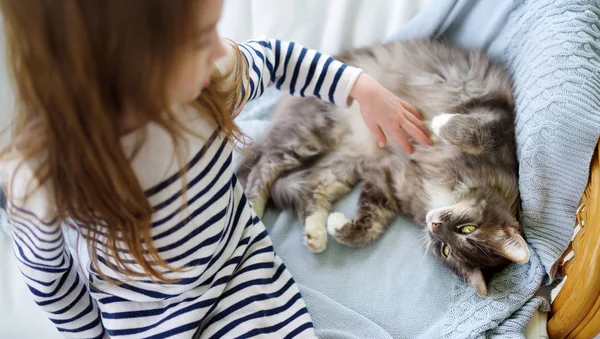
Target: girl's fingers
{"points": [[416, 129], [397, 133]]}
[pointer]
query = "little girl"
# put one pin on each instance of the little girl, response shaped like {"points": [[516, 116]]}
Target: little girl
{"points": [[125, 130]]}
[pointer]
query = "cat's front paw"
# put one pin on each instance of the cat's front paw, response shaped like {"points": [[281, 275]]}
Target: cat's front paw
{"points": [[315, 233], [336, 222], [440, 121]]}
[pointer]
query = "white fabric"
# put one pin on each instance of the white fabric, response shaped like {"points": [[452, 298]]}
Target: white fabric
{"points": [[328, 26]]}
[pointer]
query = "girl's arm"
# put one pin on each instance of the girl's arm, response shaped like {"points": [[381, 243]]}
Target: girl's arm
{"points": [[297, 70], [305, 72], [46, 264]]}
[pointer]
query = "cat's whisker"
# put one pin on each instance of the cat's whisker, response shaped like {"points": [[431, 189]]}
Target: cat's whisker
{"points": [[484, 252]]}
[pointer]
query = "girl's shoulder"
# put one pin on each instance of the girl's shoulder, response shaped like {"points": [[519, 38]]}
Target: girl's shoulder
{"points": [[19, 178]]}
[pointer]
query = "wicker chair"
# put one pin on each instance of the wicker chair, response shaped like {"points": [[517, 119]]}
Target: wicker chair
{"points": [[576, 308]]}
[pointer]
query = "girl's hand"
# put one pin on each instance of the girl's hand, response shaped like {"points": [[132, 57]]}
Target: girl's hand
{"points": [[383, 111]]}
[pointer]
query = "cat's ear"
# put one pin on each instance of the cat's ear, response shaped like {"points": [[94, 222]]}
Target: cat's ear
{"points": [[512, 246], [475, 279]]}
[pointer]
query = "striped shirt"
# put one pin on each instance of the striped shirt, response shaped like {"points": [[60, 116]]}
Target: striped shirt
{"points": [[233, 284]]}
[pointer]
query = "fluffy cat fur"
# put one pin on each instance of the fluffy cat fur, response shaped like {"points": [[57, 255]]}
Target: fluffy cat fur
{"points": [[463, 190]]}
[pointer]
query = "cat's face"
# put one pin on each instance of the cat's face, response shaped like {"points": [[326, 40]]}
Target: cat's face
{"points": [[470, 236]]}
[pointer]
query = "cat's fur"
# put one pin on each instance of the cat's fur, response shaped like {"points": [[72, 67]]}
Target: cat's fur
{"points": [[315, 152]]}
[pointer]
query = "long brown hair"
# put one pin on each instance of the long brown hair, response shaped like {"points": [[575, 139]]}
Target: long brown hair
{"points": [[74, 65]]}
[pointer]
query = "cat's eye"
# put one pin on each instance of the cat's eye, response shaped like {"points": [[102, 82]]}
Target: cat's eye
{"points": [[446, 250], [467, 229]]}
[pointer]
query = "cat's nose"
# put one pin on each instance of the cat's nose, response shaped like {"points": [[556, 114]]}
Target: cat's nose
{"points": [[434, 226]]}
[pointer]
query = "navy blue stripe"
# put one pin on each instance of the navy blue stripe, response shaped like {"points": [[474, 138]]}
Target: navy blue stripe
{"points": [[296, 71], [311, 72], [42, 268], [261, 251], [111, 299], [197, 230], [234, 181], [299, 330], [153, 312], [256, 71], [60, 284], [288, 55], [102, 335], [22, 254], [227, 231], [276, 327], [191, 183], [55, 300], [322, 78], [262, 281], [277, 64], [210, 203], [199, 261], [81, 314], [259, 237], [255, 267], [147, 293], [164, 184], [176, 330], [224, 279], [187, 309], [336, 79], [37, 219], [249, 300], [43, 283], [150, 312], [63, 310], [190, 202], [193, 263], [248, 248], [259, 314], [266, 60], [204, 260], [91, 325], [236, 219], [191, 280], [264, 43], [45, 241], [206, 242], [253, 282], [243, 90]]}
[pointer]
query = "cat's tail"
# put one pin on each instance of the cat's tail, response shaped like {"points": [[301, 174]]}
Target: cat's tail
{"points": [[289, 191]]}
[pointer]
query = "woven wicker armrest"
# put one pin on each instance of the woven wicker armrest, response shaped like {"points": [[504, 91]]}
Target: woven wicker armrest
{"points": [[576, 309]]}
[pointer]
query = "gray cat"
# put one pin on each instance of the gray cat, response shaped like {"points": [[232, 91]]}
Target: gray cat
{"points": [[463, 189]]}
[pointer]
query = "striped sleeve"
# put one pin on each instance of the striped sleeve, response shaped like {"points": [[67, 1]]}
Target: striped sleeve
{"points": [[299, 71], [48, 268]]}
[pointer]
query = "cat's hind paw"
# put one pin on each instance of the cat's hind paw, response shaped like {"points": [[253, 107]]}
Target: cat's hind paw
{"points": [[335, 222], [315, 233]]}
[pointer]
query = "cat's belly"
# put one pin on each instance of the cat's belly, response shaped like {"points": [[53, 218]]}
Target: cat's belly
{"points": [[359, 138], [437, 195]]}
